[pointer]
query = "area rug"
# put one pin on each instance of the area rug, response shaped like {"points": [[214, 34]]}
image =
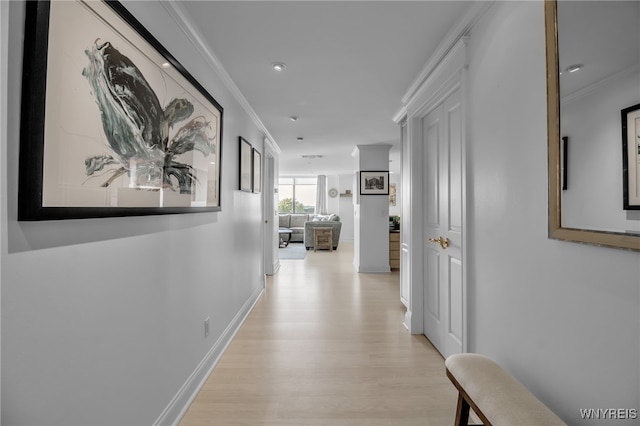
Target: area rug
{"points": [[293, 251]]}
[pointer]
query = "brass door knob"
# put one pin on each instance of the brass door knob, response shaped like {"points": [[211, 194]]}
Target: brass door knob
{"points": [[444, 242]]}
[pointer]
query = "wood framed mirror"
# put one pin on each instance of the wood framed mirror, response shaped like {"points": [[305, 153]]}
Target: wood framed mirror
{"points": [[590, 210]]}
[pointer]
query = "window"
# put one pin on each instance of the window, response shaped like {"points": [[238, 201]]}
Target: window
{"points": [[297, 195]]}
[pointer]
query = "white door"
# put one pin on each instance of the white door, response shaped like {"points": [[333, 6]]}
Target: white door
{"points": [[443, 217]]}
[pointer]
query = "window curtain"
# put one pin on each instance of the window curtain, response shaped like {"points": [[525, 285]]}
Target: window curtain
{"points": [[321, 195]]}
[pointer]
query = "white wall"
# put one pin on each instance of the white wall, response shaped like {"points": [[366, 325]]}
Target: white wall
{"points": [[333, 204], [593, 199], [371, 214], [102, 320], [346, 207], [562, 317], [341, 205]]}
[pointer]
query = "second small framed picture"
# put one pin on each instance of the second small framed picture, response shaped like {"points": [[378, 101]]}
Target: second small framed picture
{"points": [[374, 182], [245, 165], [257, 171], [631, 157]]}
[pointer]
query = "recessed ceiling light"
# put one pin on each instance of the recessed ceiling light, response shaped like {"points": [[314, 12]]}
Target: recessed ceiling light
{"points": [[166, 65], [293, 118], [574, 68], [279, 66], [300, 139]]}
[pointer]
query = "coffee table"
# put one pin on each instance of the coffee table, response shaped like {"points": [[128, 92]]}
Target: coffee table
{"points": [[284, 232]]}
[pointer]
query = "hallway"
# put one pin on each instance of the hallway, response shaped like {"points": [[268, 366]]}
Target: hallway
{"points": [[326, 346]]}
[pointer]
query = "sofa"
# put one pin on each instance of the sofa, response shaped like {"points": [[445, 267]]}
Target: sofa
{"points": [[302, 225], [294, 222]]}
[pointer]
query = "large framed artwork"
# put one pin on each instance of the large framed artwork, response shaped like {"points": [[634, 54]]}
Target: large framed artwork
{"points": [[112, 124], [374, 183], [246, 165], [257, 171], [631, 157]]}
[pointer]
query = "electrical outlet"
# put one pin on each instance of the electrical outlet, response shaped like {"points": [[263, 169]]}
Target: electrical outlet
{"points": [[206, 327]]}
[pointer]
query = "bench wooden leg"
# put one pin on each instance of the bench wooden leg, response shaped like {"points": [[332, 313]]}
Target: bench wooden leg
{"points": [[462, 411]]}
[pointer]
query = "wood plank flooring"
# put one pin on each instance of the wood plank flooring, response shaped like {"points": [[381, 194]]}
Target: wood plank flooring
{"points": [[326, 346]]}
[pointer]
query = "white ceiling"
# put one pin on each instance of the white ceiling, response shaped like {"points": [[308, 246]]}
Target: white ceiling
{"points": [[604, 37], [349, 63]]}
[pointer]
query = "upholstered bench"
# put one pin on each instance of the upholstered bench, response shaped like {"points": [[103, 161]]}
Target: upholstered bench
{"points": [[495, 396]]}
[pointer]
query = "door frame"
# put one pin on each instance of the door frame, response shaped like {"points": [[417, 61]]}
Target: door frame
{"points": [[448, 76], [269, 203]]}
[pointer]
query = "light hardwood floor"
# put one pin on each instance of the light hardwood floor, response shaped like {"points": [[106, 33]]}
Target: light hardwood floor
{"points": [[326, 346]]}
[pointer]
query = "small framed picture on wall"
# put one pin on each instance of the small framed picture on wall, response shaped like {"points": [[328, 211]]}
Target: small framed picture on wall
{"points": [[245, 165], [374, 182], [257, 171], [631, 157]]}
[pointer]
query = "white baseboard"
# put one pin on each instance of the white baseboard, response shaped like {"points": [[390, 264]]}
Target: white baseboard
{"points": [[373, 269], [276, 266], [407, 320], [178, 406]]}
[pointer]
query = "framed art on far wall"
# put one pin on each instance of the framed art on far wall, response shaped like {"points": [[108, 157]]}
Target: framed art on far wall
{"points": [[112, 124], [392, 194], [246, 165], [374, 182], [631, 157]]}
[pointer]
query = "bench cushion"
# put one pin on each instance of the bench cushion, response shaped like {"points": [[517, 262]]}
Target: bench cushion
{"points": [[502, 399]]}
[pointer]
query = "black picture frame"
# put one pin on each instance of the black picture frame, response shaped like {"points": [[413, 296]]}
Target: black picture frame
{"points": [[246, 165], [564, 153], [257, 171], [630, 118], [374, 182], [96, 144]]}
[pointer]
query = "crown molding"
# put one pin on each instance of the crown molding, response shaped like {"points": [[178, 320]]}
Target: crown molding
{"points": [[400, 115], [271, 146], [457, 31], [441, 81], [587, 90], [180, 17]]}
